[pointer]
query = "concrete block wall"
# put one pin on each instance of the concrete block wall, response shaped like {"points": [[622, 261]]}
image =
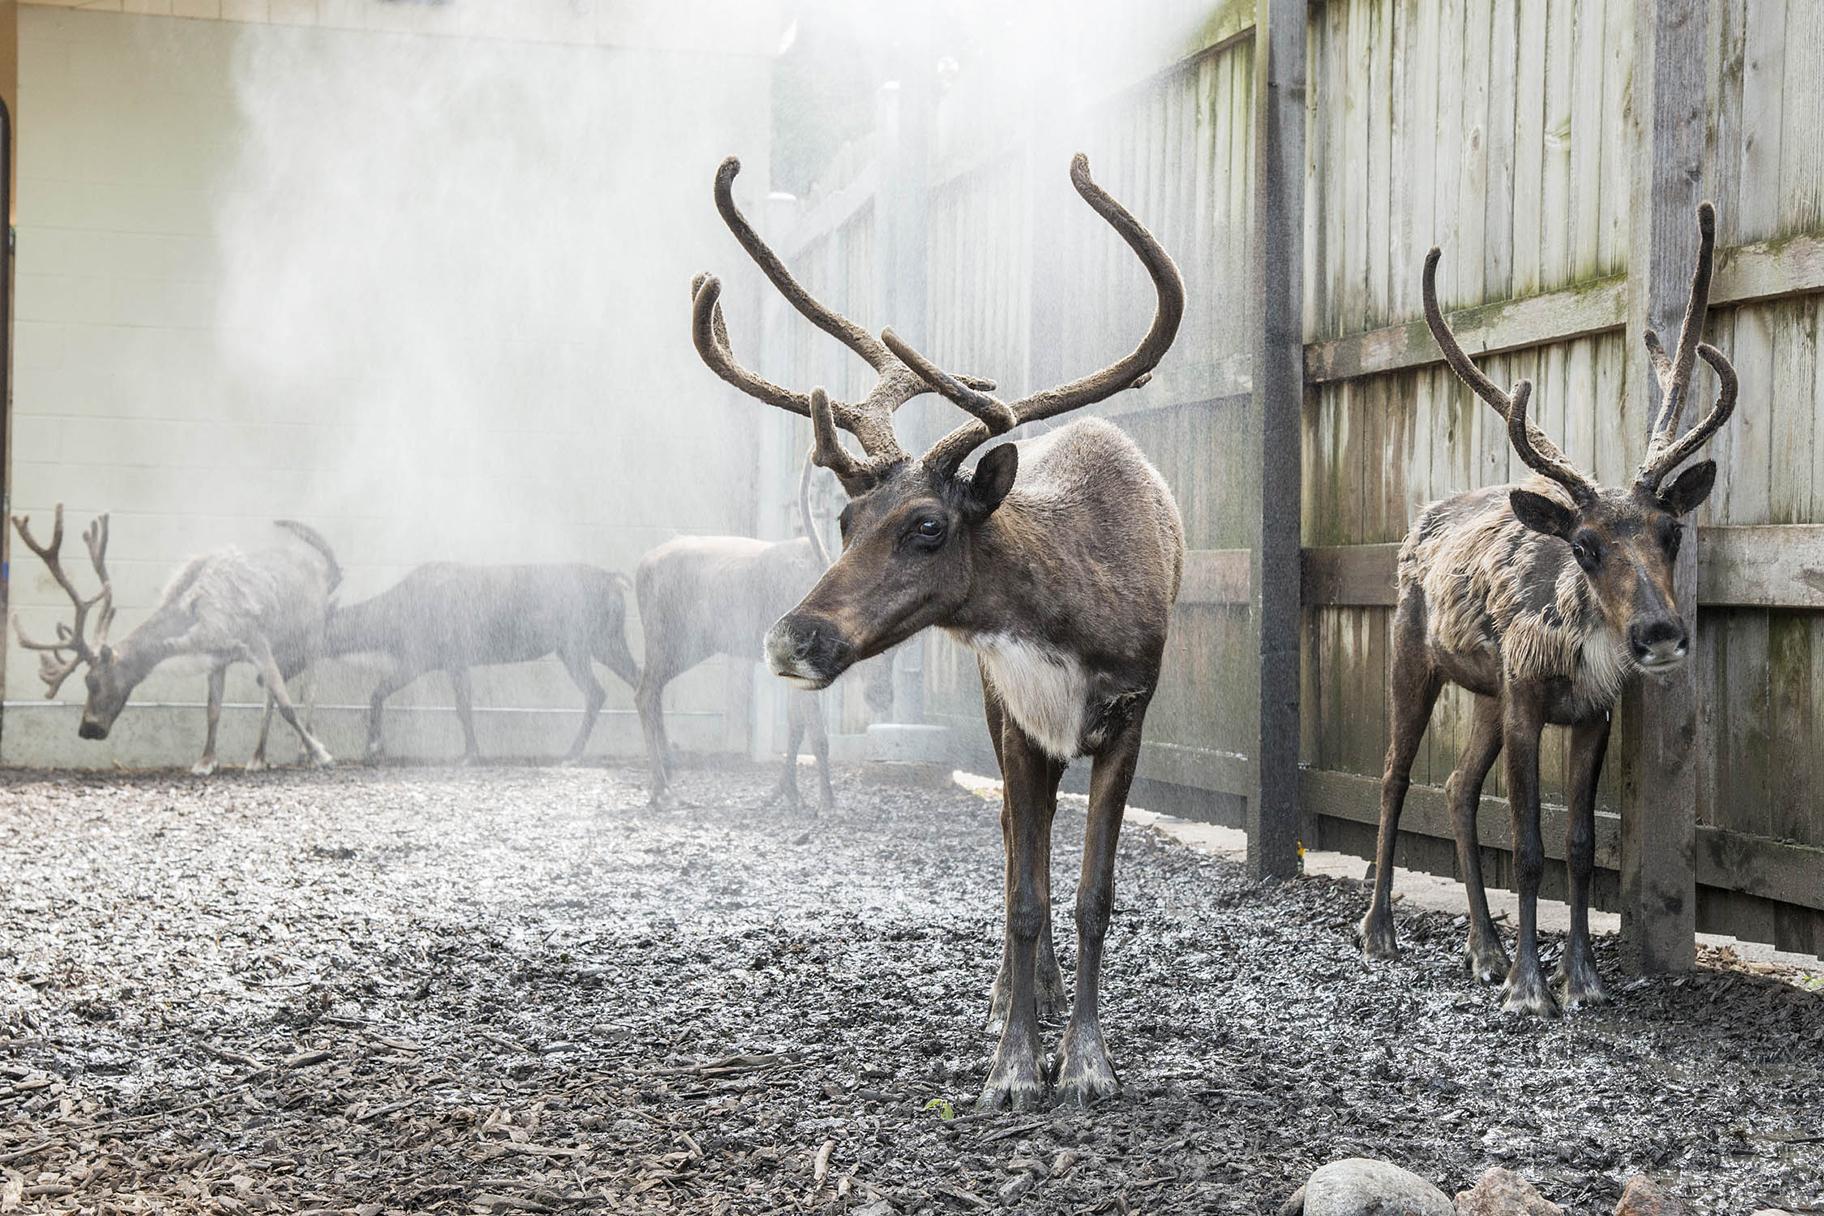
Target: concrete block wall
{"points": [[145, 381]]}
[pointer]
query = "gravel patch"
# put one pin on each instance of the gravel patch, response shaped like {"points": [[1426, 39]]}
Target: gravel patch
{"points": [[519, 990]]}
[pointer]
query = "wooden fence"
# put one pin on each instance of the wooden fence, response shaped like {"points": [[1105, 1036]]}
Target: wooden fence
{"points": [[1555, 150]]}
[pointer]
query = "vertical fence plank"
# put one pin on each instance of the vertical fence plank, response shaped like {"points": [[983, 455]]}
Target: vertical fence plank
{"points": [[1658, 822], [1277, 343]]}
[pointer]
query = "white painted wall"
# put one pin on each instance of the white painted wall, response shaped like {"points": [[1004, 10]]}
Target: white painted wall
{"points": [[214, 329]]}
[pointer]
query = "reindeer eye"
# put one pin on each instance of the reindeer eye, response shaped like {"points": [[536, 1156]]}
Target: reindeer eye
{"points": [[928, 533], [1587, 552]]}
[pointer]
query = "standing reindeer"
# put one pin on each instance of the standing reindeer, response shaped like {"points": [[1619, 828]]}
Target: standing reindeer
{"points": [[1544, 600], [702, 596], [1062, 585], [265, 608], [450, 617]]}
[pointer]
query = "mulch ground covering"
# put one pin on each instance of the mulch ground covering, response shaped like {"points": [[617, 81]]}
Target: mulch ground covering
{"points": [[518, 990]]}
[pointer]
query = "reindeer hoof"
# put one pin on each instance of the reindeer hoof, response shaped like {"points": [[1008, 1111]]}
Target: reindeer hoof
{"points": [[1526, 995], [256, 765], [1487, 961], [322, 759], [1378, 939], [1084, 1075], [203, 768], [1579, 987], [1015, 1082]]}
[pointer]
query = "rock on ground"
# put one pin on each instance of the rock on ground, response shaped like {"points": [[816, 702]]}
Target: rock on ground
{"points": [[1501, 1192], [1642, 1197], [1362, 1186]]}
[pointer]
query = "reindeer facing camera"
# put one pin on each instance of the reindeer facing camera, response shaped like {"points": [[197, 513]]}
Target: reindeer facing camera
{"points": [[265, 608], [1056, 560], [1545, 600]]}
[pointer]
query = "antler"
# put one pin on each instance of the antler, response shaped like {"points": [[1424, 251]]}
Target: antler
{"points": [[869, 420], [53, 665], [1666, 451], [995, 417], [1465, 367], [1540, 453]]}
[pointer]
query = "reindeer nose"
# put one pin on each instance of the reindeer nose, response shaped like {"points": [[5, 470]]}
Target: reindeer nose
{"points": [[807, 648], [92, 730], [1658, 644]]}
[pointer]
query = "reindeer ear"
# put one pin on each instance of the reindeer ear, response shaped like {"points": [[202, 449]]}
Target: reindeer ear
{"points": [[1542, 514], [1689, 489], [993, 478]]}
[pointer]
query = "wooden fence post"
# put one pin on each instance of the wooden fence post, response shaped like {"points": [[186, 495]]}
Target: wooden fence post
{"points": [[1659, 791], [1276, 278], [901, 235]]}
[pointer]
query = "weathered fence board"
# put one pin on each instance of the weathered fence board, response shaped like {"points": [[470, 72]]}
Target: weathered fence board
{"points": [[1506, 132]]}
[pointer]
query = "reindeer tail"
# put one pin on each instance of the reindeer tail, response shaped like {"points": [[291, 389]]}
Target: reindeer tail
{"points": [[314, 539]]}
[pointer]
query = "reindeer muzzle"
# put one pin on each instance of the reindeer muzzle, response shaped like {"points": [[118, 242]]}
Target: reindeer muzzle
{"points": [[1659, 645], [91, 729], [807, 650]]}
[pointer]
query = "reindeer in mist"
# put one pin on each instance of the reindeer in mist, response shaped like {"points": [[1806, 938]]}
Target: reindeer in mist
{"points": [[449, 617], [1057, 561], [1544, 599], [702, 596], [265, 608]]}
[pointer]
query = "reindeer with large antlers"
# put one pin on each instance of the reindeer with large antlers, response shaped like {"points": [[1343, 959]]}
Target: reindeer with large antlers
{"points": [[1056, 560], [265, 608], [1545, 600]]}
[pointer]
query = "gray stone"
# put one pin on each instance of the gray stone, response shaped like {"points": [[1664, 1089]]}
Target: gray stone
{"points": [[1361, 1186]]}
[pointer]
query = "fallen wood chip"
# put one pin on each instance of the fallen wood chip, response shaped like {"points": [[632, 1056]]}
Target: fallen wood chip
{"points": [[541, 1150], [398, 1044], [304, 1059], [493, 1201], [821, 1168], [729, 1064], [20, 1154]]}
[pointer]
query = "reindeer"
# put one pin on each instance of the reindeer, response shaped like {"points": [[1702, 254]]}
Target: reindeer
{"points": [[265, 608], [1057, 561], [1544, 599], [702, 596], [450, 617]]}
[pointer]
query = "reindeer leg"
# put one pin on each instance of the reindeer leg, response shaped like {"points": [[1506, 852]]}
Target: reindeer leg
{"points": [[649, 699], [464, 694], [275, 687], [1016, 1080], [786, 790], [1577, 981], [820, 748], [583, 676], [1523, 717], [1488, 960], [218, 679], [1415, 687], [395, 679], [1049, 982], [1084, 1074], [258, 763]]}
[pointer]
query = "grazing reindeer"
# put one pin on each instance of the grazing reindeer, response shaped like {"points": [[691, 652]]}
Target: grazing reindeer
{"points": [[702, 596], [449, 617], [265, 608], [1057, 561], [1545, 600]]}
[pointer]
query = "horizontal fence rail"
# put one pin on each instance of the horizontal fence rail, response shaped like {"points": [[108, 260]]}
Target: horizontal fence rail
{"points": [[1539, 172]]}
